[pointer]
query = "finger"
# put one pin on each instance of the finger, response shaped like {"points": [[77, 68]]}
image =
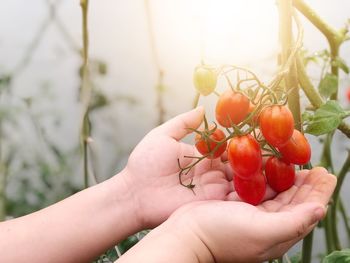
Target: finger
{"points": [[300, 177], [178, 127], [280, 200], [208, 165], [185, 152], [285, 197], [232, 196], [293, 223], [224, 157], [318, 186], [228, 171], [280, 249]]}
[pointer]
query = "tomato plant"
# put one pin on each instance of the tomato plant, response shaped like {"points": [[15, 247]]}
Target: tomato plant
{"points": [[251, 190], [297, 150], [211, 143], [276, 124], [231, 108], [280, 175], [244, 155]]}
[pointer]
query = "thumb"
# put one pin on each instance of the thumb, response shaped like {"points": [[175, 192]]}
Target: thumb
{"points": [[177, 127], [295, 223]]}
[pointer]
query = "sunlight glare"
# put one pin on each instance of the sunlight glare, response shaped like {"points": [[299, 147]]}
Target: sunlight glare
{"points": [[238, 30]]}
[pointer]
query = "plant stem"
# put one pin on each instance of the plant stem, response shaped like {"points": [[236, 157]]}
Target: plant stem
{"points": [[344, 128], [196, 99], [160, 101], [328, 234], [326, 161], [291, 80], [306, 253], [3, 177], [344, 216], [85, 90], [312, 94], [336, 195], [326, 157], [2, 195], [86, 164], [307, 86], [160, 83], [335, 38]]}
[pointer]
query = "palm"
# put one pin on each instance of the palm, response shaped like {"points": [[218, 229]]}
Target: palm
{"points": [[154, 166], [291, 213], [154, 170]]}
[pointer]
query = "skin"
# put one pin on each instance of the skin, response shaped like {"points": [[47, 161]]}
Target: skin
{"points": [[217, 231], [143, 195]]}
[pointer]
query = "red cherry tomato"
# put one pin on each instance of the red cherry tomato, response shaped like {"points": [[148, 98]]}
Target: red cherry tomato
{"points": [[279, 174], [232, 107], [297, 150], [244, 156], [276, 124], [251, 190], [205, 146], [348, 94]]}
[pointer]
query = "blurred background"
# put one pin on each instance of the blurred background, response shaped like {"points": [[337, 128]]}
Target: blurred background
{"points": [[132, 43]]}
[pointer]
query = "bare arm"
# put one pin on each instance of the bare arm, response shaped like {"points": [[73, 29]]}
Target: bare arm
{"points": [[76, 229]]}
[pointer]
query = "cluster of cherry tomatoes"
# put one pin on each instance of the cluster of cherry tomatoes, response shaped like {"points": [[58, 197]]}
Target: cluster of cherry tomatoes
{"points": [[270, 133]]}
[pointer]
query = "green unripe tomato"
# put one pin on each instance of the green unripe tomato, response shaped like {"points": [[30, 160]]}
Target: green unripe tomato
{"points": [[204, 79]]}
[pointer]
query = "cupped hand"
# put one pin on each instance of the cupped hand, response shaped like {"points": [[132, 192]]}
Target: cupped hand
{"points": [[234, 231], [152, 171]]}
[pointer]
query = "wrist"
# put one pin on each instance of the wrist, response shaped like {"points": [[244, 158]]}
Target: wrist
{"points": [[124, 203], [169, 242], [183, 231]]}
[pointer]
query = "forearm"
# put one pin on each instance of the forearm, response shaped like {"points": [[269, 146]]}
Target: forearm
{"points": [[168, 243], [76, 229]]}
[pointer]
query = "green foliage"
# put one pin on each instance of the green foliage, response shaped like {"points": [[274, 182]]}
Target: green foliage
{"points": [[325, 119], [340, 63], [328, 85], [342, 256], [295, 258], [111, 254], [108, 257]]}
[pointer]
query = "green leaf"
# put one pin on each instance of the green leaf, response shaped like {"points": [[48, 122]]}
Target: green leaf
{"points": [[296, 258], [128, 243], [326, 119], [340, 63], [342, 256], [328, 85], [307, 116]]}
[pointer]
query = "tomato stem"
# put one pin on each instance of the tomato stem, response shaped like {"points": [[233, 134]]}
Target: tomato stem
{"points": [[216, 93], [196, 100]]}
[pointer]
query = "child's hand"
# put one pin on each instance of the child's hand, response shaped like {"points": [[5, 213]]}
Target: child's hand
{"points": [[152, 172]]}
